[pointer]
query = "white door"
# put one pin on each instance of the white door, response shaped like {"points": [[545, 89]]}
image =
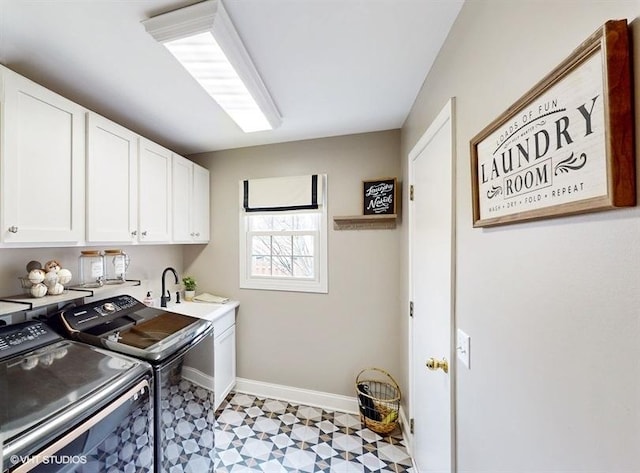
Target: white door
{"points": [[182, 191], [200, 214], [112, 181], [154, 211], [225, 364], [43, 138], [431, 235]]}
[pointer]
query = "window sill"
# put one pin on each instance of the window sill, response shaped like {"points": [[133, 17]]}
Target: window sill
{"points": [[319, 287]]}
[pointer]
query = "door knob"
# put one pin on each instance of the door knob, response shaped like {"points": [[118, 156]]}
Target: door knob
{"points": [[434, 364]]}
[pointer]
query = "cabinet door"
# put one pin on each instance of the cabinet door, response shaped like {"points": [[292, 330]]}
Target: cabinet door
{"points": [[43, 161], [200, 208], [224, 364], [112, 201], [181, 187], [154, 193]]}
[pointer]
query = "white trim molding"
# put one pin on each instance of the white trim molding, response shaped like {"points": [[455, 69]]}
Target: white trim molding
{"points": [[332, 402], [198, 377]]}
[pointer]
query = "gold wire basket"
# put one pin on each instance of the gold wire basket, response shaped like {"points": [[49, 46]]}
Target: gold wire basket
{"points": [[378, 399]]}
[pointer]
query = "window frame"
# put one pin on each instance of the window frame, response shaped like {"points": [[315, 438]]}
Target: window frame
{"points": [[318, 284]]}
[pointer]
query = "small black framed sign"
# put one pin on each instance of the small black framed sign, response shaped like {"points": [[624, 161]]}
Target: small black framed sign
{"points": [[380, 196], [566, 146]]}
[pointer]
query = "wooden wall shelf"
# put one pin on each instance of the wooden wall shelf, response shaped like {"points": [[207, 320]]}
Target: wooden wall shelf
{"points": [[365, 222]]}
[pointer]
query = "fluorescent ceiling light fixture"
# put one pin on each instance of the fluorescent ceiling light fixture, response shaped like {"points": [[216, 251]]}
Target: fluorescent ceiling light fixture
{"points": [[202, 38]]}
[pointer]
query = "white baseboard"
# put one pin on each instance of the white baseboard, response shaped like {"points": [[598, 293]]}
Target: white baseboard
{"points": [[198, 377], [332, 402], [207, 382]]}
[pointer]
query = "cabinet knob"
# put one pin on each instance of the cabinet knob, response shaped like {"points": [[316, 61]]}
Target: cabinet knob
{"points": [[13, 229], [144, 233], [134, 233], [198, 234]]}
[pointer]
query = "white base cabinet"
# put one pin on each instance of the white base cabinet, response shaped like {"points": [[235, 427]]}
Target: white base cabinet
{"points": [[213, 365], [224, 352]]}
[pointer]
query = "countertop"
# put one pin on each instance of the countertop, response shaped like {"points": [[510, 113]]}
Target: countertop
{"points": [[202, 310]]}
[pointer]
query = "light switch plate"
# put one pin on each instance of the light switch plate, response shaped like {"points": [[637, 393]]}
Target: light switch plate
{"points": [[463, 348]]}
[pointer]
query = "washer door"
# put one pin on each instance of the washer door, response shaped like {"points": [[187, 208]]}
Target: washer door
{"points": [[115, 437], [47, 391]]}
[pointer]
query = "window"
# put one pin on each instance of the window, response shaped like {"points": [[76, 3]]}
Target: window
{"points": [[284, 249]]}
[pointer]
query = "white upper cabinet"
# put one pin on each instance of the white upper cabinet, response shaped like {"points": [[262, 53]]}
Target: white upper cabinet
{"points": [[42, 166], [62, 166], [112, 182], [200, 209], [190, 188], [182, 176], [154, 193]]}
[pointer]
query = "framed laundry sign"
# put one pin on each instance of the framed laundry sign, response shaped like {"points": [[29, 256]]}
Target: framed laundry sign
{"points": [[379, 196], [567, 146]]}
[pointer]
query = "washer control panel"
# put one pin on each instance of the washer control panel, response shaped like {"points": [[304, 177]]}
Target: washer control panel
{"points": [[24, 336], [100, 312]]}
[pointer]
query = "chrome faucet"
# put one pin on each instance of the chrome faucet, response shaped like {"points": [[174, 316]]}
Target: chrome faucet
{"points": [[166, 298]]}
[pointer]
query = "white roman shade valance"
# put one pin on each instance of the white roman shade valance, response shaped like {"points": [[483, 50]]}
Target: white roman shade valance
{"points": [[283, 193]]}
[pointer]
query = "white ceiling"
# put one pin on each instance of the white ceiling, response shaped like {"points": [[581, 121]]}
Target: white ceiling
{"points": [[333, 67]]}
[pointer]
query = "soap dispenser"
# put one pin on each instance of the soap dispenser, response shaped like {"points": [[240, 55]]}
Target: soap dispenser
{"points": [[148, 301]]}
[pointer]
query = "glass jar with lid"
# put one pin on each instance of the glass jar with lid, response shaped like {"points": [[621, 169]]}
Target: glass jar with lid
{"points": [[116, 263], [91, 268]]}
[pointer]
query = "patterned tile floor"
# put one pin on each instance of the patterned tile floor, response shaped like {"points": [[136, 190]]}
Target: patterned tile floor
{"points": [[271, 436]]}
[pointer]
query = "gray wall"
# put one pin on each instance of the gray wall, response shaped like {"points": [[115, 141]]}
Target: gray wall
{"points": [[311, 341], [147, 263], [552, 307]]}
